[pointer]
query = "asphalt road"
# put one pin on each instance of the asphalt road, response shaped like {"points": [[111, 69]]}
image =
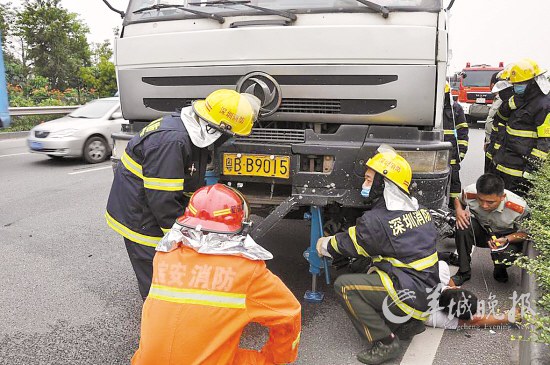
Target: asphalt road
{"points": [[69, 295]]}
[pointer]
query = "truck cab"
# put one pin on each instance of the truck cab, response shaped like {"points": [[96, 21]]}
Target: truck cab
{"points": [[336, 79]]}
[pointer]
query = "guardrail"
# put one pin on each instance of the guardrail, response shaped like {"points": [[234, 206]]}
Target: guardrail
{"points": [[41, 110]]}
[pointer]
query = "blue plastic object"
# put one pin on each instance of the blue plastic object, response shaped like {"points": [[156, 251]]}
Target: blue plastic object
{"points": [[210, 178]]}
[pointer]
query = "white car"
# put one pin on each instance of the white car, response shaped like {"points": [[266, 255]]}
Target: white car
{"points": [[86, 132]]}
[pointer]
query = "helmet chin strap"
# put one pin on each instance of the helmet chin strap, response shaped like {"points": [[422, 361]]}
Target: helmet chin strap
{"points": [[376, 190]]}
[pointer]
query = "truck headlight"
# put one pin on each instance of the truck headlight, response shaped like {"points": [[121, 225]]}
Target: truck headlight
{"points": [[427, 161]]}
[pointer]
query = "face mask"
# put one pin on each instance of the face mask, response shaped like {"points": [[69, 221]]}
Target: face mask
{"points": [[520, 89], [365, 191]]}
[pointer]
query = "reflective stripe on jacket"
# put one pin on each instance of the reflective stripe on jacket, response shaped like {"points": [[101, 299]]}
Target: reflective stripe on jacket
{"points": [[402, 247], [199, 305], [157, 172]]}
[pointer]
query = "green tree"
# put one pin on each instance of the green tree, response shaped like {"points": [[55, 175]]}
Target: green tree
{"points": [[101, 75], [16, 72], [56, 41]]}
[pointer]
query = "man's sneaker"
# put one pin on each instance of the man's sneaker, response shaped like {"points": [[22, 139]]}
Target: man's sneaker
{"points": [[410, 329], [461, 277], [453, 259], [500, 274], [380, 353]]}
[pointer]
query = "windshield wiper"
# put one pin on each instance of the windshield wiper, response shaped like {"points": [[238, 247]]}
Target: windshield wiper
{"points": [[284, 14], [202, 14], [376, 7]]}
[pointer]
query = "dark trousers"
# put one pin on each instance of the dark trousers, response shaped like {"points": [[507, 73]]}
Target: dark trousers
{"points": [[515, 184], [476, 235], [141, 258], [489, 167], [362, 296], [456, 186]]}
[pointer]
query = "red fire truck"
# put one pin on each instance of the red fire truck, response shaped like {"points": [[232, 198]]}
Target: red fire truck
{"points": [[474, 92]]}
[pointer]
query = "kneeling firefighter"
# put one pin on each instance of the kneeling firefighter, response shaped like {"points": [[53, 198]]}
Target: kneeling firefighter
{"points": [[389, 302], [210, 280]]}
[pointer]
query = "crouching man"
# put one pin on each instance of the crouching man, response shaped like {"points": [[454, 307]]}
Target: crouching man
{"points": [[209, 282], [388, 303]]}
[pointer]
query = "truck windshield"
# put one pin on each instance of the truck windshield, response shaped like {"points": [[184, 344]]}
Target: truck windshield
{"points": [[477, 78], [169, 9]]}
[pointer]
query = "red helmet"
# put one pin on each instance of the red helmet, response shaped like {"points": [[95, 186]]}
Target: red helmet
{"points": [[216, 208]]}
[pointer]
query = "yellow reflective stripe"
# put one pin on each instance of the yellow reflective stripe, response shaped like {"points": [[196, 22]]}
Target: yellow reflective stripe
{"points": [[543, 130], [156, 183], [417, 265], [510, 171], [217, 213], [452, 162], [501, 117], [296, 341], [461, 125], [488, 155], [360, 250], [520, 133], [188, 194], [463, 143], [164, 230], [454, 195], [192, 209], [131, 165], [494, 129], [462, 155], [334, 244], [198, 297], [497, 146], [388, 284], [142, 239], [539, 153], [512, 103], [449, 131]]}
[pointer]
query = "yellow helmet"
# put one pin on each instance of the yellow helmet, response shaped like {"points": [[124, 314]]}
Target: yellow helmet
{"points": [[393, 167], [504, 74], [229, 111], [447, 88], [524, 70]]}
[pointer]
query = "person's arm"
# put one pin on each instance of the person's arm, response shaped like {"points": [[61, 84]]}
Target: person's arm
{"points": [[490, 320], [163, 179], [354, 243], [540, 152], [462, 215], [270, 303]]}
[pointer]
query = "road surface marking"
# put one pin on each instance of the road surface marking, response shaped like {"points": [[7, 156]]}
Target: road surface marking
{"points": [[90, 170], [16, 154], [423, 347]]}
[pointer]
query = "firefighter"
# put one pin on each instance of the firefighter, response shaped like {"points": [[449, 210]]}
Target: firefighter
{"points": [[526, 136], [492, 220], [163, 165], [502, 90], [456, 131], [209, 281], [389, 302]]}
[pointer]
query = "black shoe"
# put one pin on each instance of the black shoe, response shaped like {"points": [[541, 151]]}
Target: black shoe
{"points": [[461, 277], [500, 274], [410, 329], [453, 259], [380, 353]]}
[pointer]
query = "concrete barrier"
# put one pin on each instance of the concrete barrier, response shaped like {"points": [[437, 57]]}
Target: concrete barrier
{"points": [[13, 135]]}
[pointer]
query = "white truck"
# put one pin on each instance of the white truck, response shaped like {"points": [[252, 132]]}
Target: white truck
{"points": [[336, 79]]}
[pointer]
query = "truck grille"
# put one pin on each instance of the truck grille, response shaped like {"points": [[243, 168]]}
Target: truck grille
{"points": [[41, 134], [267, 135], [324, 106]]}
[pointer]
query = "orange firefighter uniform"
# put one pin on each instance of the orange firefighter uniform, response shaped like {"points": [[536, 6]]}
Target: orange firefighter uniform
{"points": [[199, 304]]}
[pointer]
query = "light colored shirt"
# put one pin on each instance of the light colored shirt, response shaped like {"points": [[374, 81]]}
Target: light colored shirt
{"points": [[439, 318], [504, 218]]}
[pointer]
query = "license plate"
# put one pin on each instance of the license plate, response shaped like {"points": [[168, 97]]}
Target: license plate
{"points": [[256, 165], [36, 146], [480, 100]]}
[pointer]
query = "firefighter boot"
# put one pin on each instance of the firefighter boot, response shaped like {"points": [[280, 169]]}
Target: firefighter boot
{"points": [[379, 352], [410, 329]]}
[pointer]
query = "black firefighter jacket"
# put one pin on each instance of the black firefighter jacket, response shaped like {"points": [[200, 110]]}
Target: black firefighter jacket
{"points": [[159, 171], [402, 247]]}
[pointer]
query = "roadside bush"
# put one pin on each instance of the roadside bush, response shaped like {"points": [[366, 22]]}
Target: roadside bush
{"points": [[538, 226], [27, 122]]}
